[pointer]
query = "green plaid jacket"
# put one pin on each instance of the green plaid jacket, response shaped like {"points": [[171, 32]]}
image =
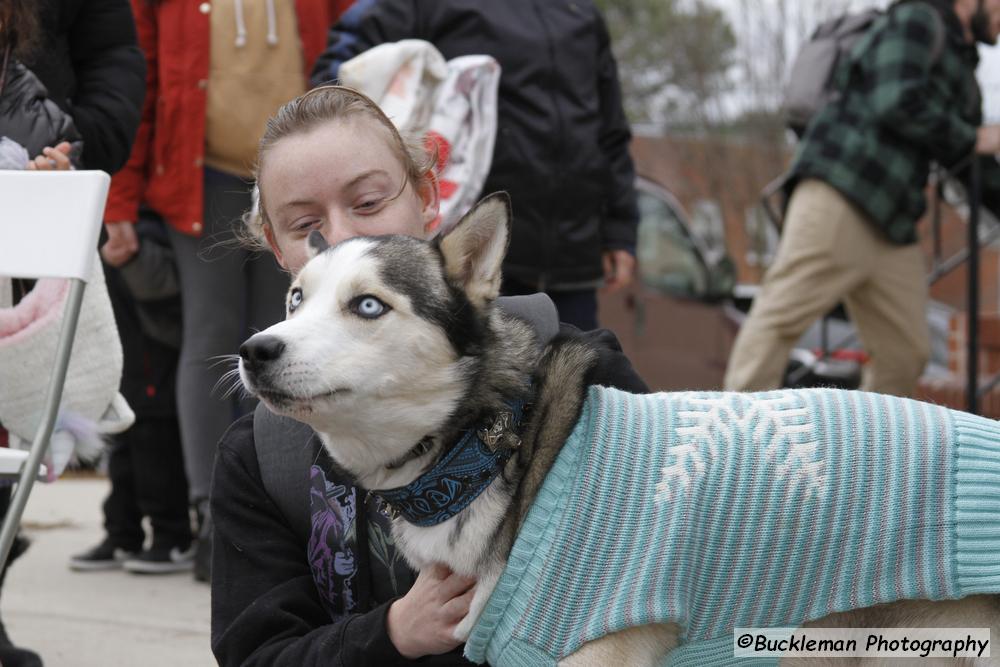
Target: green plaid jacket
{"points": [[900, 109]]}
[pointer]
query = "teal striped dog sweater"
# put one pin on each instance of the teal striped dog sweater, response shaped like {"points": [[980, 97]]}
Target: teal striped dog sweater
{"points": [[723, 510]]}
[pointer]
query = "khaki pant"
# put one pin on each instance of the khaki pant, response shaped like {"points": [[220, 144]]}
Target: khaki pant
{"points": [[828, 253]]}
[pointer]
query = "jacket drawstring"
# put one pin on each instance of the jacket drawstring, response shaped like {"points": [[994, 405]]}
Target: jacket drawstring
{"points": [[241, 26], [272, 24]]}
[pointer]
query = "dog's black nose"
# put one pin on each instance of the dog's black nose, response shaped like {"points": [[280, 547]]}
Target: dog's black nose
{"points": [[259, 349]]}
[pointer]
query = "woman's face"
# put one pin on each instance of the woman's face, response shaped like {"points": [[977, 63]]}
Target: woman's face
{"points": [[341, 179]]}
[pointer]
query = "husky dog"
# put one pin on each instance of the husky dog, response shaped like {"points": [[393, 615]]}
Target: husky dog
{"points": [[393, 353]]}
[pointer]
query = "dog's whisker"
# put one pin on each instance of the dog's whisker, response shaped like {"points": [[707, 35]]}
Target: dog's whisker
{"points": [[223, 358], [237, 387], [226, 377]]}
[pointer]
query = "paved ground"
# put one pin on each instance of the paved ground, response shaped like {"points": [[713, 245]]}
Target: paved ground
{"points": [[99, 619]]}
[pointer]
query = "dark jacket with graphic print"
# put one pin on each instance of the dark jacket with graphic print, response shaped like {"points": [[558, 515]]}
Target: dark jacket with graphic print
{"points": [[902, 107], [319, 596]]}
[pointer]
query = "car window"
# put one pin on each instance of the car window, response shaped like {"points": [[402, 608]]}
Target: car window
{"points": [[668, 259]]}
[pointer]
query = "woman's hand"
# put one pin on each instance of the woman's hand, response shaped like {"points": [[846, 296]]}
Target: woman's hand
{"points": [[52, 159], [122, 243], [423, 621], [988, 139], [619, 268]]}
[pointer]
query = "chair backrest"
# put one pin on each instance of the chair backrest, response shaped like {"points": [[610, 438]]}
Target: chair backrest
{"points": [[50, 222]]}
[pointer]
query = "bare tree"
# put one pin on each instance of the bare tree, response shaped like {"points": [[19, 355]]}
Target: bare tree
{"points": [[772, 31], [673, 56]]}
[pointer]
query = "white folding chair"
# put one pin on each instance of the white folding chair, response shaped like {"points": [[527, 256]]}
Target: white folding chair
{"points": [[49, 226]]}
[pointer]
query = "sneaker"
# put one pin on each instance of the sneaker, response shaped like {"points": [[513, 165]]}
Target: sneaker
{"points": [[161, 560], [105, 556]]}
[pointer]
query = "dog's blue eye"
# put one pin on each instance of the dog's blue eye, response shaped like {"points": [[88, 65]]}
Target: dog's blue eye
{"points": [[369, 307], [294, 299]]}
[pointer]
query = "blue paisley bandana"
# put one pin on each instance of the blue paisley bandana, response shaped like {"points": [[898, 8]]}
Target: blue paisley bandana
{"points": [[464, 472]]}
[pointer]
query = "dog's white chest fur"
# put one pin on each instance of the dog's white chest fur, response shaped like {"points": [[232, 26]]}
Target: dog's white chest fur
{"points": [[459, 542], [465, 544]]}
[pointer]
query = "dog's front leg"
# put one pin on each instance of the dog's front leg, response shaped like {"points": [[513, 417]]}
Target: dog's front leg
{"points": [[484, 588]]}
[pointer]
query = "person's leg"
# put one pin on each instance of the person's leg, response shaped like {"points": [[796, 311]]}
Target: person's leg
{"points": [[226, 298], [820, 258], [576, 307], [511, 287], [267, 286], [122, 521], [10, 655], [890, 312], [122, 518], [163, 496], [213, 281], [162, 489]]}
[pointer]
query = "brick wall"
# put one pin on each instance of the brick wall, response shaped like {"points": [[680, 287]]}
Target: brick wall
{"points": [[950, 391]]}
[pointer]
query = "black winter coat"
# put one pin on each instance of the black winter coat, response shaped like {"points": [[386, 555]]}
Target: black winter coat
{"points": [[562, 142], [90, 61], [28, 116]]}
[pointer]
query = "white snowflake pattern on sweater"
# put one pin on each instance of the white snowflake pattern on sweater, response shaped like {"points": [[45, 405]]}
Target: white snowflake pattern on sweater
{"points": [[778, 424]]}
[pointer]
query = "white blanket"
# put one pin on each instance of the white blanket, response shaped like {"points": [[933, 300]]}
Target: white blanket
{"points": [[453, 104]]}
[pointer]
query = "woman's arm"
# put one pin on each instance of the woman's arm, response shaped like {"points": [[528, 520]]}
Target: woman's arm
{"points": [[366, 24], [613, 368], [128, 185], [31, 118], [110, 82], [619, 229]]}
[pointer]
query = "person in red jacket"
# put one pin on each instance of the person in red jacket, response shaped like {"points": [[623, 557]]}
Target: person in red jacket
{"points": [[217, 69]]}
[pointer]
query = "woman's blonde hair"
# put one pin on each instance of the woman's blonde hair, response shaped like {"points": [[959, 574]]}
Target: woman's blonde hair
{"points": [[311, 110]]}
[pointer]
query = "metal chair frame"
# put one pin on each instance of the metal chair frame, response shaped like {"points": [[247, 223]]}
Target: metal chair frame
{"points": [[49, 228]]}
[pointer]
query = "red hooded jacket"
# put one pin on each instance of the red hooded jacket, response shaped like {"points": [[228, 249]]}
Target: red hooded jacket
{"points": [[165, 169]]}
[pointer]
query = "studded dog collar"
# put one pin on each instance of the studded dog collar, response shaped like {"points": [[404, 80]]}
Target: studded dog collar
{"points": [[461, 475]]}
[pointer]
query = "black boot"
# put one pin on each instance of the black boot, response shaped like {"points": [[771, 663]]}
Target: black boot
{"points": [[10, 655]]}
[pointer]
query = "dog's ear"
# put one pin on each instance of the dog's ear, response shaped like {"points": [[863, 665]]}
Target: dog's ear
{"points": [[317, 243], [474, 250]]}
